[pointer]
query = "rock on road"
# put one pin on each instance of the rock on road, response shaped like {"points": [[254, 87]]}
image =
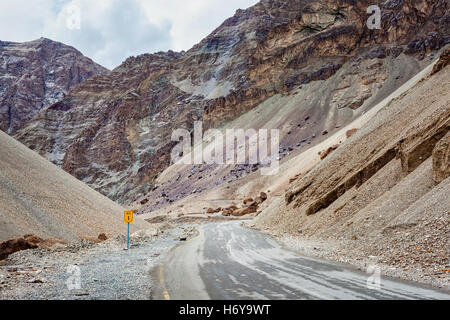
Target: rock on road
{"points": [[228, 261]]}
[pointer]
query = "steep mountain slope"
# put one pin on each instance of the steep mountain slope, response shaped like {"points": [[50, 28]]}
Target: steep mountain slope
{"points": [[226, 185], [113, 131], [36, 197], [385, 189], [36, 74]]}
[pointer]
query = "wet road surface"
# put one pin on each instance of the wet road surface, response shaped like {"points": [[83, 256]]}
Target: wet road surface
{"points": [[228, 261]]}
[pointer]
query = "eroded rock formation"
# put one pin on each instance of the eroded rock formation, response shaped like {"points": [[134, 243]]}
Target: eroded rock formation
{"points": [[441, 159]]}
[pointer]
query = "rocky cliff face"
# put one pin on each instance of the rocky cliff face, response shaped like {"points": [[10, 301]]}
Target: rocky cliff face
{"points": [[36, 74], [113, 131]]}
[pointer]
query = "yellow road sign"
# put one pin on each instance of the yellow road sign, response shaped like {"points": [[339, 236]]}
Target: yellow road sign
{"points": [[128, 216]]}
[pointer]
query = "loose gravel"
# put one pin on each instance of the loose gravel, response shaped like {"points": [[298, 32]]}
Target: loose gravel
{"points": [[106, 271]]}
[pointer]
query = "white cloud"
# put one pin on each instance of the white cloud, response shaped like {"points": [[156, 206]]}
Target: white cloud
{"points": [[112, 30]]}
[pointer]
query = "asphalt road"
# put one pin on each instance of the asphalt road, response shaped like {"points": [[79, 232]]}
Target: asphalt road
{"points": [[228, 261]]}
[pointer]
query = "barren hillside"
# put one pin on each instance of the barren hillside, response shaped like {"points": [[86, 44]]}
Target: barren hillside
{"points": [[36, 197]]}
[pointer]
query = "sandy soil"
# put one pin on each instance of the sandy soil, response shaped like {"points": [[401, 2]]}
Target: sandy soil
{"points": [[36, 197]]}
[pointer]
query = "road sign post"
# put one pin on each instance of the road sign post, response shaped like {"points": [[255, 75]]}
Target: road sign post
{"points": [[128, 218]]}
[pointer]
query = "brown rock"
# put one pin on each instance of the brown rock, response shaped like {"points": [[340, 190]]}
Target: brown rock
{"points": [[226, 213], [351, 132], [33, 239], [10, 246], [251, 208], [441, 159], [102, 237], [418, 147], [36, 280], [248, 200], [210, 210], [443, 61], [253, 205], [243, 211], [323, 154]]}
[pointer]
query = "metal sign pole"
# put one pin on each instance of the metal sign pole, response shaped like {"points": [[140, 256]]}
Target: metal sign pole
{"points": [[128, 236], [128, 218]]}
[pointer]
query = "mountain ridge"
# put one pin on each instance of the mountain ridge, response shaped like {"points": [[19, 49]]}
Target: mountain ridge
{"points": [[36, 74]]}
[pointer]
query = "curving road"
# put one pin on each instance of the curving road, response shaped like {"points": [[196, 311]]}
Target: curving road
{"points": [[228, 261]]}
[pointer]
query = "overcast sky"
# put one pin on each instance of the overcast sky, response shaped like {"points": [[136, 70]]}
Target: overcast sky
{"points": [[109, 31]]}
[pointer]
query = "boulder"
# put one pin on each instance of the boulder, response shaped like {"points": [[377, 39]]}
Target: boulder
{"points": [[351, 132], [147, 233], [253, 205], [102, 237], [323, 154], [10, 246], [243, 211], [251, 208], [226, 212]]}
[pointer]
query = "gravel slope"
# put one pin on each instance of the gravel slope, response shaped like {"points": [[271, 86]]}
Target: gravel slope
{"points": [[107, 271], [39, 198]]}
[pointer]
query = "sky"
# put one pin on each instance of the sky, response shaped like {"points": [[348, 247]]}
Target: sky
{"points": [[109, 31]]}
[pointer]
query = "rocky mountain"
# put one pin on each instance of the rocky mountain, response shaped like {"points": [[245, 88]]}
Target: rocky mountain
{"points": [[36, 74], [314, 66]]}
